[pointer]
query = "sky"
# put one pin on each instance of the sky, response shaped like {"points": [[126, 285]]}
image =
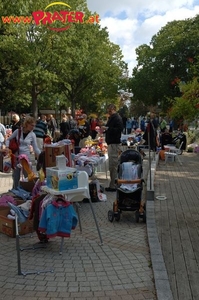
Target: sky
{"points": [[131, 23]]}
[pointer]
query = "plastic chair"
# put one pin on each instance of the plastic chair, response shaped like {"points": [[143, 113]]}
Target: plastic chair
{"points": [[173, 154]]}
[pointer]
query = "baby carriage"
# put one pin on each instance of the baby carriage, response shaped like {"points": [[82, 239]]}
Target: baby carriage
{"points": [[129, 187]]}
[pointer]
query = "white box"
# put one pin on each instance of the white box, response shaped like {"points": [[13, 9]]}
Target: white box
{"points": [[61, 180], [61, 162]]}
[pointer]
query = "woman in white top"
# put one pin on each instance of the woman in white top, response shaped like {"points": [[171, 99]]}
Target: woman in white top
{"points": [[27, 139]]}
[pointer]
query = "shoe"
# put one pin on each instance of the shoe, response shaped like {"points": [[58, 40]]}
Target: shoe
{"points": [[109, 189]]}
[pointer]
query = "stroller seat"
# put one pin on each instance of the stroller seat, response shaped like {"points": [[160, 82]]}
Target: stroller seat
{"points": [[129, 171]]}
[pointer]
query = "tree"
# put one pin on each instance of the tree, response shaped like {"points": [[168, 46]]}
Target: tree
{"points": [[79, 65], [186, 107], [171, 57]]}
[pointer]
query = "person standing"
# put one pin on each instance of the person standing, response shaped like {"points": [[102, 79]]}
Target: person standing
{"points": [[113, 131], [64, 127], [93, 124], [16, 123], [52, 125], [150, 134], [128, 126], [27, 139], [40, 131], [2, 135], [84, 129]]}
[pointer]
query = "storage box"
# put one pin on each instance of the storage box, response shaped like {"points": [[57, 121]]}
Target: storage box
{"points": [[7, 226], [61, 180], [68, 151], [5, 163], [51, 153], [28, 185]]}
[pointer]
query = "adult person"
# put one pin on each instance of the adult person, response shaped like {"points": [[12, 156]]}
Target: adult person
{"points": [[22, 118], [152, 133], [113, 131], [40, 131], [163, 125], [135, 124], [142, 124], [93, 124], [128, 125], [27, 138], [52, 125], [72, 122], [16, 122], [84, 129], [166, 138], [2, 135], [64, 127]]}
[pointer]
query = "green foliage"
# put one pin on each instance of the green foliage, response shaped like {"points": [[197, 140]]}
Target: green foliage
{"points": [[186, 106], [192, 136], [80, 66], [172, 57]]}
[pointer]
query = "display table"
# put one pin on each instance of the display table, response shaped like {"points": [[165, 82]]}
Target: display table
{"points": [[97, 165]]}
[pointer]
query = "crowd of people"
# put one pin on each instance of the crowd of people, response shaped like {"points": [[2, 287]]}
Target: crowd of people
{"points": [[33, 133]]}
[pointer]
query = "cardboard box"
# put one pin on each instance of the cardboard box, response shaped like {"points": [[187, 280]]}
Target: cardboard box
{"points": [[28, 185], [69, 150], [7, 226], [61, 180], [5, 163], [51, 153]]}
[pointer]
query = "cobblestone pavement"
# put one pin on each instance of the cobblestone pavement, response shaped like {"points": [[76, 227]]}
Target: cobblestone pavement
{"points": [[120, 269]]}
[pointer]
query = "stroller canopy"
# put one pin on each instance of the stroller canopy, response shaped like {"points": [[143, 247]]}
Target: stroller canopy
{"points": [[131, 155]]}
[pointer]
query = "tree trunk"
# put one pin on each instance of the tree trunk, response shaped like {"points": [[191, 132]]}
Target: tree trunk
{"points": [[34, 103]]}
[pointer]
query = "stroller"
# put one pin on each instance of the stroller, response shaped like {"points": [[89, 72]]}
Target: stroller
{"points": [[180, 139], [129, 187]]}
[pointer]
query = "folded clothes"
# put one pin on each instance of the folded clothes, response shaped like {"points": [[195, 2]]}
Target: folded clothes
{"points": [[21, 193], [21, 213], [4, 199]]}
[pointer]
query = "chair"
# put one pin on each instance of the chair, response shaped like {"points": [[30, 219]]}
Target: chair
{"points": [[173, 153]]}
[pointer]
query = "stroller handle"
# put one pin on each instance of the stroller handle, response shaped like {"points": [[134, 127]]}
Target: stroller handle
{"points": [[120, 181]]}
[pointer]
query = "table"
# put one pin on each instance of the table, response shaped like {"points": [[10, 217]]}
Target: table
{"points": [[97, 166]]}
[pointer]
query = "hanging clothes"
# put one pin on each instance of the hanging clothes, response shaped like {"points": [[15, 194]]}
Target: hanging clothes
{"points": [[58, 219]]}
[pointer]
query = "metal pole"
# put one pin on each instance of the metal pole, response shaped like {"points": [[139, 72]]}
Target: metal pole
{"points": [[149, 144], [18, 246]]}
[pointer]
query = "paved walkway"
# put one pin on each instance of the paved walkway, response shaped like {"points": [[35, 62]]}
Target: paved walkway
{"points": [[119, 270], [177, 220], [124, 267]]}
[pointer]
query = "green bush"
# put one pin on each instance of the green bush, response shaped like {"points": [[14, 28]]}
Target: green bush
{"points": [[192, 137], [190, 149]]}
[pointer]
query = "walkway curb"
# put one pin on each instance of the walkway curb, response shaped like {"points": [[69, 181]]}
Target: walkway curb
{"points": [[162, 284]]}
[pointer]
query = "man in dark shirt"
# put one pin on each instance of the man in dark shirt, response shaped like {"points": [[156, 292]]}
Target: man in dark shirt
{"points": [[113, 131]]}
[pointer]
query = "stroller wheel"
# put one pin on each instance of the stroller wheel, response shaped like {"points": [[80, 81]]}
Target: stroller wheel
{"points": [[110, 216], [144, 216], [137, 216], [117, 216]]}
